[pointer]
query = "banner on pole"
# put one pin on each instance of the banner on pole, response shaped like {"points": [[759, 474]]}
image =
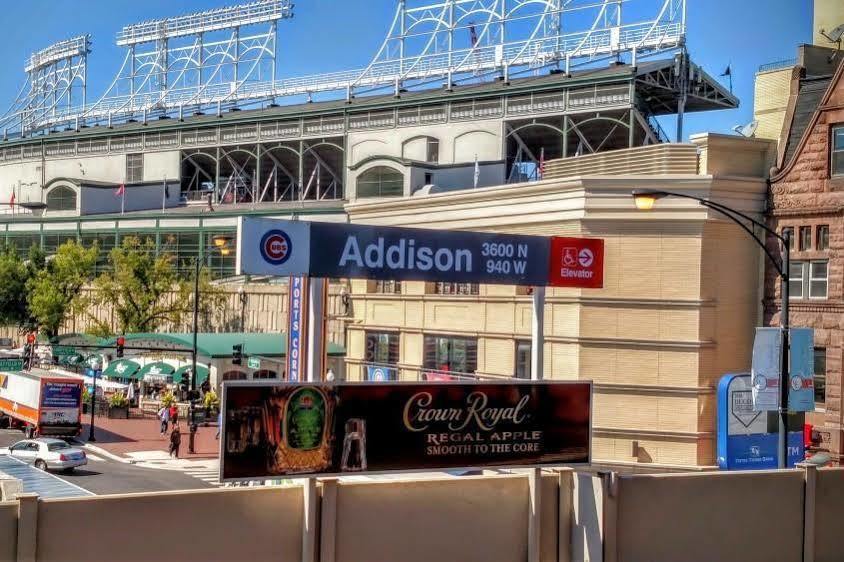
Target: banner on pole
{"points": [[766, 368], [297, 329]]}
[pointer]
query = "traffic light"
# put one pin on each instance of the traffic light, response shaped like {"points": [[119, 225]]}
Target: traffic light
{"points": [[121, 341], [237, 354]]}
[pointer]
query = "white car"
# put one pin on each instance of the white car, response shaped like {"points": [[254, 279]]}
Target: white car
{"points": [[46, 453]]}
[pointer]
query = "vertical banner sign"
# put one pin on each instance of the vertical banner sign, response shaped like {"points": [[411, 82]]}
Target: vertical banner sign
{"points": [[297, 332], [766, 368], [801, 395]]}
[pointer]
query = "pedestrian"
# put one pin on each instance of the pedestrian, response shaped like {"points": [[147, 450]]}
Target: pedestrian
{"points": [[164, 416], [174, 414], [175, 441]]}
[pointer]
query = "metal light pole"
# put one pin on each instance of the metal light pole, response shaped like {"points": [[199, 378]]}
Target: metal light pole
{"points": [[645, 200], [220, 244], [95, 366]]}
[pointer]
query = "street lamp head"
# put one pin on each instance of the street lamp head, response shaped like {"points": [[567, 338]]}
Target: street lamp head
{"points": [[221, 241], [225, 251], [645, 199]]}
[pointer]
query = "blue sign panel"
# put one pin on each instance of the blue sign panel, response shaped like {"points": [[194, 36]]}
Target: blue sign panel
{"points": [[377, 373], [801, 394], [297, 331], [61, 395], [283, 248], [747, 439]]}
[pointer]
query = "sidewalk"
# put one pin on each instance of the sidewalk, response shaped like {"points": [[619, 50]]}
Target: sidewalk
{"points": [[122, 437]]}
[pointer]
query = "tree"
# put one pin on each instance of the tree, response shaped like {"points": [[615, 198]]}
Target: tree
{"points": [[145, 291], [14, 273], [54, 290]]}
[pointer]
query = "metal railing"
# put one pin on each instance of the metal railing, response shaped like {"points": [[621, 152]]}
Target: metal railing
{"points": [[777, 65]]}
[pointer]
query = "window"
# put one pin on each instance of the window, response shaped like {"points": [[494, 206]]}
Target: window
{"points": [[808, 279], [820, 377], [789, 232], [234, 376], [818, 279], [446, 353], [456, 288], [837, 160], [264, 374], [387, 286], [134, 168], [61, 198], [382, 348], [432, 154], [805, 238], [429, 178], [57, 446], [522, 359], [380, 182], [822, 237]]}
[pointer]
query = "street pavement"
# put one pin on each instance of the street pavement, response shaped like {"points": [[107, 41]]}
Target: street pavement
{"points": [[105, 475]]}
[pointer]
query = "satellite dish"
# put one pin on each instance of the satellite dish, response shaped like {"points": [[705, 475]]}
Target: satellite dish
{"points": [[748, 130], [835, 35]]}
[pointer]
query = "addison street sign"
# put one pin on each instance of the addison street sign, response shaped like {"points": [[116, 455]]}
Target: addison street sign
{"points": [[322, 429], [285, 248]]}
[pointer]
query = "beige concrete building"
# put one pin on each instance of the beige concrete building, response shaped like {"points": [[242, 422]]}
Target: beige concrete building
{"points": [[678, 308]]}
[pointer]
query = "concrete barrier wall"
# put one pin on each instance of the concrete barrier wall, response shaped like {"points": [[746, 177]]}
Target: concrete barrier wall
{"points": [[245, 524], [8, 530], [483, 519], [739, 516], [829, 497]]}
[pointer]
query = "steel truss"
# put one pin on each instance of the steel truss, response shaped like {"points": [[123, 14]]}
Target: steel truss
{"points": [[226, 58], [265, 173]]}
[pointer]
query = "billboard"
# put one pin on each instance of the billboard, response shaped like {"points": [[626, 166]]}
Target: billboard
{"points": [[333, 250], [276, 430], [748, 438]]}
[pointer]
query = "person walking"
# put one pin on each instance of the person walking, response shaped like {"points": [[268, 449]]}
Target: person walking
{"points": [[164, 417], [175, 441], [174, 414]]}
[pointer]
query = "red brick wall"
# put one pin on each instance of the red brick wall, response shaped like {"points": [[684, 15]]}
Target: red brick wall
{"points": [[807, 195]]}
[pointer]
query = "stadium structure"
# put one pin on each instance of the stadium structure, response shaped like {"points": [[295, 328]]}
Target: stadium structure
{"points": [[198, 127]]}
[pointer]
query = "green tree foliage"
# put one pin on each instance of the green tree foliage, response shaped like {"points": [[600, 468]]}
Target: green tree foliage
{"points": [[54, 290], [146, 292], [14, 274]]}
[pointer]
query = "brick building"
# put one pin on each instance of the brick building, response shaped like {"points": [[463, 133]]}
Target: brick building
{"points": [[807, 198]]}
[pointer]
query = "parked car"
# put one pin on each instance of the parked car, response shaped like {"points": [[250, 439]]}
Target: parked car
{"points": [[45, 453]]}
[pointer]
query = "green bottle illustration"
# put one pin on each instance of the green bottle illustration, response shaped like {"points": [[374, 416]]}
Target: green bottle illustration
{"points": [[305, 419]]}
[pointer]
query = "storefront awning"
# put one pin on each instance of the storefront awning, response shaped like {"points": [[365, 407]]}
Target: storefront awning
{"points": [[156, 372], [122, 369], [201, 374]]}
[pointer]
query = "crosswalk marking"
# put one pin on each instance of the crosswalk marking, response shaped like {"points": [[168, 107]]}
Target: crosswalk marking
{"points": [[209, 475]]}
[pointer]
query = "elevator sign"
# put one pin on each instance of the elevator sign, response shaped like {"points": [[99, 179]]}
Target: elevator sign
{"points": [[313, 249]]}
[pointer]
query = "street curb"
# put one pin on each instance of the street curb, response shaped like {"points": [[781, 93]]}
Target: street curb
{"points": [[103, 452]]}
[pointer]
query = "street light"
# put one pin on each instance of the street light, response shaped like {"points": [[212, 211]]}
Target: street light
{"points": [[645, 200], [220, 244], [96, 365]]}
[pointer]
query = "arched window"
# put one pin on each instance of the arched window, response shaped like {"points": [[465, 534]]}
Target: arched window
{"points": [[61, 198], [234, 376], [380, 181]]}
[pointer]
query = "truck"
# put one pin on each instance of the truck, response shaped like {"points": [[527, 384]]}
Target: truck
{"points": [[41, 402]]}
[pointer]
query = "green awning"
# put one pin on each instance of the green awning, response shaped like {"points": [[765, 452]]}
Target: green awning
{"points": [[157, 369], [122, 369], [201, 373], [72, 360]]}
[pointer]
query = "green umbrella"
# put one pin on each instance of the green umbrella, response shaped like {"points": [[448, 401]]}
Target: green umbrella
{"points": [[201, 374]]}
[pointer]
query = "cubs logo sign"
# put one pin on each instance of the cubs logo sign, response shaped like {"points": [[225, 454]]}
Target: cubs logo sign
{"points": [[276, 247]]}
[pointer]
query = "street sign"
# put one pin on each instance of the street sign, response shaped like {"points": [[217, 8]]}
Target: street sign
{"points": [[747, 438], [364, 428], [63, 350], [253, 363], [297, 328], [11, 364], [576, 262], [282, 248]]}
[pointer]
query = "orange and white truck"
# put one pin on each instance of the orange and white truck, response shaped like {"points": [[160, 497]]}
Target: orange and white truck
{"points": [[40, 402]]}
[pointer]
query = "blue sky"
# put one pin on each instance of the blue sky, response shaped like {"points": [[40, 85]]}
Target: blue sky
{"points": [[328, 35]]}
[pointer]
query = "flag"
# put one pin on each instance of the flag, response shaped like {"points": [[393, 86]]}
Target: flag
{"points": [[477, 171], [728, 71], [542, 163], [121, 192]]}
